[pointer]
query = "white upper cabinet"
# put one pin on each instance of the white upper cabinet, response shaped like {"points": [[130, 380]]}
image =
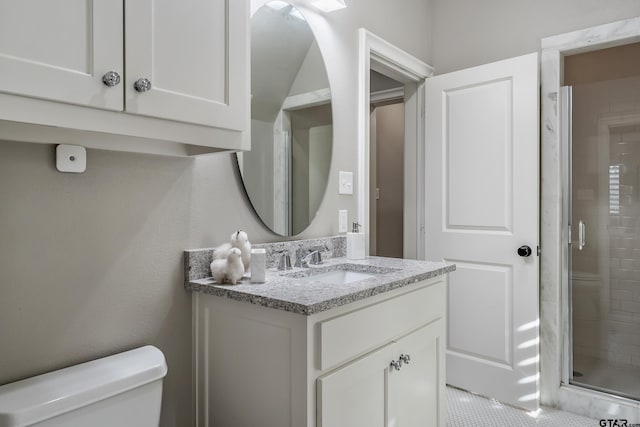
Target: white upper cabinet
{"points": [[191, 52], [60, 50], [153, 72]]}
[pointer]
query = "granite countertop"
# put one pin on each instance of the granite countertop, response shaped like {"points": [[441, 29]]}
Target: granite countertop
{"points": [[293, 291]]}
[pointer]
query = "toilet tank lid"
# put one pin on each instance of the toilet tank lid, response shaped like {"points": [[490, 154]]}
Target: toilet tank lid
{"points": [[25, 402]]}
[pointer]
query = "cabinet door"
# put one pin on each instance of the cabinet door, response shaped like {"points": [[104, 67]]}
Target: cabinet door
{"points": [[356, 394], [195, 55], [59, 50], [416, 391]]}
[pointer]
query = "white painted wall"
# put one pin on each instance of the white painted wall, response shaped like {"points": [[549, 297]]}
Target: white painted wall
{"points": [[91, 264]]}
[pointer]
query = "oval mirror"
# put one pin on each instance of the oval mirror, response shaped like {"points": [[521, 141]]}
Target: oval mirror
{"points": [[285, 174]]}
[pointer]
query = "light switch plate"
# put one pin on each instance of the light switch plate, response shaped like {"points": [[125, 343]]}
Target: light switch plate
{"points": [[71, 158], [345, 182], [343, 219]]}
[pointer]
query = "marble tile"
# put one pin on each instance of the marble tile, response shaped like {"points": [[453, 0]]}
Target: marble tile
{"points": [[607, 34], [598, 405], [550, 364], [550, 231]]}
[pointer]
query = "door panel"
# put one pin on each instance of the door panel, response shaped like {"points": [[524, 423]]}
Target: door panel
{"points": [[356, 395], [60, 50], [482, 205], [415, 390], [196, 61], [481, 291], [469, 181]]}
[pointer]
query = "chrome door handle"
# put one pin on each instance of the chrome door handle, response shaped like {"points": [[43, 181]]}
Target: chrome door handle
{"points": [[582, 235]]}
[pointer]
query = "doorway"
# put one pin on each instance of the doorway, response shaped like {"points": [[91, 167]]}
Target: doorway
{"points": [[386, 171], [557, 387], [387, 60], [603, 211]]}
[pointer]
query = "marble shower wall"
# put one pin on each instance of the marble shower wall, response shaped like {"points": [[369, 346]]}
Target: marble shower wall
{"points": [[553, 258]]}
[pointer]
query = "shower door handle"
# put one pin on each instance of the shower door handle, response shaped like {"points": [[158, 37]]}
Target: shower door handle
{"points": [[582, 235]]}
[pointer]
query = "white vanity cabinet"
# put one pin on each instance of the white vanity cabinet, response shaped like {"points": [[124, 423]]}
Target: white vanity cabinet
{"points": [[261, 366], [145, 69], [371, 392]]}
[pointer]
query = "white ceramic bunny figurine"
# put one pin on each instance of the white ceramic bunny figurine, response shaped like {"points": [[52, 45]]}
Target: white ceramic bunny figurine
{"points": [[228, 270]]}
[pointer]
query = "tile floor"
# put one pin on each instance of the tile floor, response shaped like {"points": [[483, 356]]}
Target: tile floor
{"points": [[469, 410]]}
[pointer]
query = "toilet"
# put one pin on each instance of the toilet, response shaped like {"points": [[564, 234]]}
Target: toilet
{"points": [[123, 390]]}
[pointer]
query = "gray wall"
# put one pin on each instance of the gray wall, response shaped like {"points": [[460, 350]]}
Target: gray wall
{"points": [[312, 74], [470, 32], [390, 159], [91, 264], [257, 164]]}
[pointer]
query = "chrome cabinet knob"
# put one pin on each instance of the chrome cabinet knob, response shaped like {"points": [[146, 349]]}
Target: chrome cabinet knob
{"points": [[405, 358], [111, 78], [142, 85], [395, 364]]}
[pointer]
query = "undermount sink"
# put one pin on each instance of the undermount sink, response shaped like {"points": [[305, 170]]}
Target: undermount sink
{"points": [[339, 274], [340, 277]]}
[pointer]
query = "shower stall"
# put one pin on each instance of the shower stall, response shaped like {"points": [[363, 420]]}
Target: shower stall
{"points": [[601, 213]]}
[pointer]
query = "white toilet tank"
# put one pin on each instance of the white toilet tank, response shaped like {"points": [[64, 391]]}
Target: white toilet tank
{"points": [[123, 390]]}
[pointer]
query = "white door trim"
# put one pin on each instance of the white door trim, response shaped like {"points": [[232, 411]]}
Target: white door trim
{"points": [[378, 54]]}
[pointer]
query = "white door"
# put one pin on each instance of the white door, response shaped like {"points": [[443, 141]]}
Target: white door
{"points": [[194, 54], [60, 50], [482, 189]]}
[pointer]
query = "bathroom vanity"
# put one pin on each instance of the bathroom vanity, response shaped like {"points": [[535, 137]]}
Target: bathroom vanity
{"points": [[344, 343]]}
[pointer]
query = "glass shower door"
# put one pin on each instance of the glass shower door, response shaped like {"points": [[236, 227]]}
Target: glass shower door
{"points": [[603, 213]]}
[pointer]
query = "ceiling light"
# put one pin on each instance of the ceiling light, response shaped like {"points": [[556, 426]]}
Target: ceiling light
{"points": [[296, 14], [329, 5], [277, 4]]}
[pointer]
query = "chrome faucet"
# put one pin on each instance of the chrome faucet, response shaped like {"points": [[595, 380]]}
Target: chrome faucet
{"points": [[313, 256], [285, 260]]}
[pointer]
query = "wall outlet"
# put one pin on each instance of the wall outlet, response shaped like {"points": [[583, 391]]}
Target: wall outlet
{"points": [[345, 181], [343, 219]]}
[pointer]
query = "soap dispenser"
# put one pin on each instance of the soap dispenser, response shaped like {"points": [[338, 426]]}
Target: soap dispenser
{"points": [[355, 243]]}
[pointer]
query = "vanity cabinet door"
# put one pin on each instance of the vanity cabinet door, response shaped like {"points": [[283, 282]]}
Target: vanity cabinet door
{"points": [[355, 395], [60, 50], [193, 57], [416, 391]]}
